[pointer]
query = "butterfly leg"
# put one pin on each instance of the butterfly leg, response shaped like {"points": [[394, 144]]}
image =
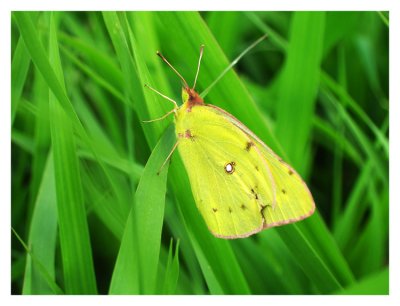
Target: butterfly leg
{"points": [[161, 118], [168, 157]]}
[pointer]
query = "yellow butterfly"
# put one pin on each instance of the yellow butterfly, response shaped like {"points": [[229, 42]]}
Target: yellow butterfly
{"points": [[239, 184]]}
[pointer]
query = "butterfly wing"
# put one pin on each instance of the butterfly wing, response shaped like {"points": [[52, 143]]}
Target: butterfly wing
{"points": [[231, 183], [239, 184], [293, 200]]}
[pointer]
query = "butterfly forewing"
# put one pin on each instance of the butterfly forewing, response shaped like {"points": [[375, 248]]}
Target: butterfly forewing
{"points": [[294, 201]]}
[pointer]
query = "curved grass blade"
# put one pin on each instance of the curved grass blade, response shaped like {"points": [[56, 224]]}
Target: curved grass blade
{"points": [[376, 284], [76, 252], [19, 70], [172, 270], [40, 267], [42, 236], [136, 267]]}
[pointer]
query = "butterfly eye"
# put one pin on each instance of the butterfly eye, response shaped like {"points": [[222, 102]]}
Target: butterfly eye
{"points": [[230, 167]]}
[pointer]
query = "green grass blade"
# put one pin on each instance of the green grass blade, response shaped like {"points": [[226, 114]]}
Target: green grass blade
{"points": [[377, 284], [222, 22], [39, 268], [276, 39], [136, 267], [77, 259], [362, 139], [42, 235], [94, 75], [19, 70], [171, 271], [95, 58], [301, 74], [74, 236], [329, 83], [385, 17], [355, 208], [41, 135], [40, 58]]}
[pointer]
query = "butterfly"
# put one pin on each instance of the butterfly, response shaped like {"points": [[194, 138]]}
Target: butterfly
{"points": [[239, 184]]}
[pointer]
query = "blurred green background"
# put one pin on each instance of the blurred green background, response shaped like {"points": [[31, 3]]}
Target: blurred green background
{"points": [[89, 215]]}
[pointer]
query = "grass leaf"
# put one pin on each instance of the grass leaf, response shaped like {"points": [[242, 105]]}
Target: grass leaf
{"points": [[74, 234], [136, 266]]}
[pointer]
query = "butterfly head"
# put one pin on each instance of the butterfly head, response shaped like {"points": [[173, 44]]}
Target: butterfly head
{"points": [[190, 97]]}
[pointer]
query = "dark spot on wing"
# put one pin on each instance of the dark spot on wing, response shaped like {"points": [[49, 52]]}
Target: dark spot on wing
{"points": [[249, 144], [283, 191], [257, 168], [189, 135], [290, 172], [230, 210], [243, 206], [254, 193], [215, 210]]}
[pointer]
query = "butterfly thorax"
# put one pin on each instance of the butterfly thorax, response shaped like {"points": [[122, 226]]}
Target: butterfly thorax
{"points": [[186, 119]]}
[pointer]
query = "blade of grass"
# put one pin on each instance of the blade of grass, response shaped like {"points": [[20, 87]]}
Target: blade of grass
{"points": [[338, 151], [327, 136], [276, 39], [42, 235], [301, 74], [125, 60], [94, 75], [360, 136], [120, 41], [171, 271], [374, 235], [385, 17], [187, 254], [222, 22], [77, 259], [19, 70], [329, 83], [111, 159], [95, 58], [40, 59], [326, 80], [23, 141], [136, 267], [40, 267], [377, 284], [274, 265], [41, 135]]}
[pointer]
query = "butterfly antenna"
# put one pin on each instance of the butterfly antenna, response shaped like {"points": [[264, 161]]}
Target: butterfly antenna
{"points": [[234, 62], [176, 71], [198, 65]]}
